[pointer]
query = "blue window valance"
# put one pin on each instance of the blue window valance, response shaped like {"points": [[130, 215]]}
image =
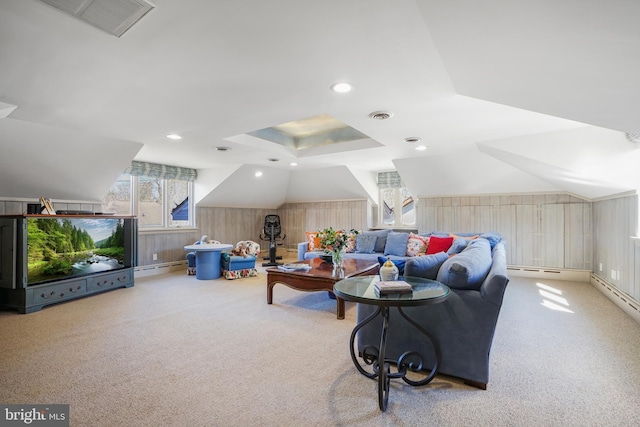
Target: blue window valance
{"points": [[390, 180], [161, 171]]}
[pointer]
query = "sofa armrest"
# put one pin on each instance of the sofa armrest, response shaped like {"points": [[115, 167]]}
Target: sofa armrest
{"points": [[494, 285], [303, 247]]}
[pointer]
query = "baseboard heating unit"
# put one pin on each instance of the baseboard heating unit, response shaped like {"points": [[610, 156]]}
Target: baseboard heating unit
{"points": [[549, 273], [160, 268], [619, 298]]}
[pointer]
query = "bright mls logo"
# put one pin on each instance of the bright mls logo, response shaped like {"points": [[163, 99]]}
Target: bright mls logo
{"points": [[34, 415]]}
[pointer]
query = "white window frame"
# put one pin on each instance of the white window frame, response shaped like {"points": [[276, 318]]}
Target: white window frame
{"points": [[166, 209], [397, 213]]}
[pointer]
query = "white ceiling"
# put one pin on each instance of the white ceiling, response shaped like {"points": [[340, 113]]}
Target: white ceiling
{"points": [[509, 96]]}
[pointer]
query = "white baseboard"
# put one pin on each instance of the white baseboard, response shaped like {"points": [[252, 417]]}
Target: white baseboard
{"points": [[161, 268], [550, 273], [619, 298]]}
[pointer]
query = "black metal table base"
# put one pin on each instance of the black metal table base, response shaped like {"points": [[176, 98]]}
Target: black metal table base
{"points": [[409, 361]]}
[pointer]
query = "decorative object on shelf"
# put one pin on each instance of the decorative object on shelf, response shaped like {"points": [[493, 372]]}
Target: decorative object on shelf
{"points": [[34, 208], [389, 271], [48, 206], [335, 242]]}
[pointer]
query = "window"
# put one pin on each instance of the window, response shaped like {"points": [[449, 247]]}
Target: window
{"points": [[118, 199], [157, 201], [150, 206], [178, 198], [397, 205]]}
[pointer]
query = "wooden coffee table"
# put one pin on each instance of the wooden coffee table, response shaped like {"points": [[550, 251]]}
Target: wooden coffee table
{"points": [[321, 277]]}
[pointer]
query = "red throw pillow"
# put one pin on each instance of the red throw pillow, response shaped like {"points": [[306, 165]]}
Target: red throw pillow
{"points": [[439, 244]]}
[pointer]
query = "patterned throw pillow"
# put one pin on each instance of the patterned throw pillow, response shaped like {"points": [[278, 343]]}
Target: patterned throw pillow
{"points": [[351, 242], [314, 241], [417, 245], [247, 247]]}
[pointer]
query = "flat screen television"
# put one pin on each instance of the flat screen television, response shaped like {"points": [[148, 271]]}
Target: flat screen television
{"points": [[62, 248]]}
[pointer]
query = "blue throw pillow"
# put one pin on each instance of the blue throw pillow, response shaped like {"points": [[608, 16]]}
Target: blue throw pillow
{"points": [[492, 237], [426, 266], [365, 243], [381, 239], [457, 246], [396, 244], [400, 263]]}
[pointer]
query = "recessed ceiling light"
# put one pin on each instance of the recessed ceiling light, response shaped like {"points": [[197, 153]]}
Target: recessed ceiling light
{"points": [[258, 174], [174, 136], [293, 164], [421, 147], [341, 87], [223, 148], [381, 115], [412, 139]]}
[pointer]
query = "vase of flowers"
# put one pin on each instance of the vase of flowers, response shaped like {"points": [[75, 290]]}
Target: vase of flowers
{"points": [[335, 243], [338, 258]]}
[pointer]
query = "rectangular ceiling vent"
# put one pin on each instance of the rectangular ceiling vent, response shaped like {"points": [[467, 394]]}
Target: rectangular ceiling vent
{"points": [[113, 16]]}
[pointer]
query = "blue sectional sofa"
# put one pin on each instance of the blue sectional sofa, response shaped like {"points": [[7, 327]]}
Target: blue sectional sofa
{"points": [[475, 269], [463, 325], [385, 244]]}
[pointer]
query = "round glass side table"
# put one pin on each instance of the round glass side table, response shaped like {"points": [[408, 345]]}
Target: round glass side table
{"points": [[362, 290]]}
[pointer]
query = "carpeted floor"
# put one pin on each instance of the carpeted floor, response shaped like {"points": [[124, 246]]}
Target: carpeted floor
{"points": [[176, 351]]}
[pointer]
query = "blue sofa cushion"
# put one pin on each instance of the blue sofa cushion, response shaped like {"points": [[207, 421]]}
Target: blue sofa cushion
{"points": [[396, 244], [365, 243], [400, 263], [426, 266], [468, 269]]}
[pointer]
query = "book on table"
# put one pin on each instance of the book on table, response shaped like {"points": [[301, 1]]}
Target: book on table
{"points": [[387, 287], [294, 267]]}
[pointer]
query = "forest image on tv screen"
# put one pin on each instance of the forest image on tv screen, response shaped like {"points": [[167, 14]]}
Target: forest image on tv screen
{"points": [[58, 248]]}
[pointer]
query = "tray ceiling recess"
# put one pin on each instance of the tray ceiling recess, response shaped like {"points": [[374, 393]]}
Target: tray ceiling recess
{"points": [[318, 135], [113, 16]]}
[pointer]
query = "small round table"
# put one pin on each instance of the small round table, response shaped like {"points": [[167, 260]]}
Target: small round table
{"points": [[362, 290], [208, 259]]}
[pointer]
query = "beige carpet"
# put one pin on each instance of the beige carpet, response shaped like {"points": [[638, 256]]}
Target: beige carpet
{"points": [[176, 351]]}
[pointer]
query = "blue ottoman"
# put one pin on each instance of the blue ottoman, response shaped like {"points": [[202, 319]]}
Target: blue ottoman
{"points": [[234, 266]]}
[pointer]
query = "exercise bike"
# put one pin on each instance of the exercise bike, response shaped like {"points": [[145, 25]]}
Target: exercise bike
{"points": [[272, 232]]}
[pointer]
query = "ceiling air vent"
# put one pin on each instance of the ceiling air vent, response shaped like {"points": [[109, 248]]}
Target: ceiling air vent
{"points": [[113, 16], [413, 139]]}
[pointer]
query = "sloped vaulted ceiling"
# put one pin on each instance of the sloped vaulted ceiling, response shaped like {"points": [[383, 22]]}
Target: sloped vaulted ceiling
{"points": [[576, 161], [484, 84], [576, 59], [39, 160]]}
